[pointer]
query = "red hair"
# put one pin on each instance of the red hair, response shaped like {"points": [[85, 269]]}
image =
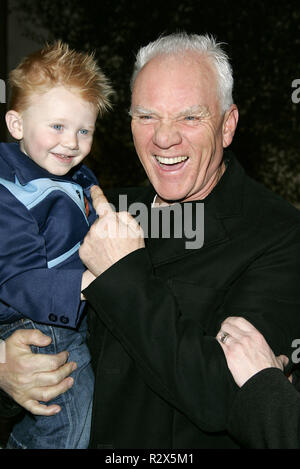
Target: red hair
{"points": [[58, 65]]}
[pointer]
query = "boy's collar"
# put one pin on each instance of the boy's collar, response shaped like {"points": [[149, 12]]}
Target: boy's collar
{"points": [[23, 167]]}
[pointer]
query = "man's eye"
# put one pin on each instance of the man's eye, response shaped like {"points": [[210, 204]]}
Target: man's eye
{"points": [[83, 131], [192, 120], [146, 119]]}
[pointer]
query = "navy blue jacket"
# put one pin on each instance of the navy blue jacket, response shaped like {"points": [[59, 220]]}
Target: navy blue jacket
{"points": [[43, 219]]}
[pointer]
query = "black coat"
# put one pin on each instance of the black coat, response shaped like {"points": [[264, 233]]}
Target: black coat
{"points": [[266, 412], [161, 376]]}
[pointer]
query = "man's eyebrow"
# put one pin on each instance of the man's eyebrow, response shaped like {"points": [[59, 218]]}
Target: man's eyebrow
{"points": [[201, 110], [141, 110]]}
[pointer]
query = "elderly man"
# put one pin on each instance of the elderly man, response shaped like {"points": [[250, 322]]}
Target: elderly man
{"points": [[158, 301]]}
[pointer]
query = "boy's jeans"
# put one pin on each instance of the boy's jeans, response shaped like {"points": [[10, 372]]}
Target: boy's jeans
{"points": [[70, 428]]}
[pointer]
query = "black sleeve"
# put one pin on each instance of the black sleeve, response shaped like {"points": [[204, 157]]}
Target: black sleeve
{"points": [[8, 407], [266, 412], [175, 359], [175, 355]]}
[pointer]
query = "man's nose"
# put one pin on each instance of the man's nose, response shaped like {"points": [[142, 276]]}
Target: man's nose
{"points": [[166, 135], [70, 140]]}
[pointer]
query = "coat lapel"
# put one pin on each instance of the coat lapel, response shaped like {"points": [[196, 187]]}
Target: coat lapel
{"points": [[225, 201], [199, 228]]}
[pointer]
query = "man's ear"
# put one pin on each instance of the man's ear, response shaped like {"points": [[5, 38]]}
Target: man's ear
{"points": [[229, 124], [14, 124]]}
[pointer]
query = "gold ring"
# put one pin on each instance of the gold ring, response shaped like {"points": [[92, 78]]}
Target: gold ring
{"points": [[224, 337]]}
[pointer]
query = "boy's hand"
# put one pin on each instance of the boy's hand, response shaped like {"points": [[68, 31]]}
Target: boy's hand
{"points": [[29, 377], [111, 237]]}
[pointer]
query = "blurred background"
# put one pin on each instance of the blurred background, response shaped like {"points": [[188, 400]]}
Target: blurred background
{"points": [[262, 40]]}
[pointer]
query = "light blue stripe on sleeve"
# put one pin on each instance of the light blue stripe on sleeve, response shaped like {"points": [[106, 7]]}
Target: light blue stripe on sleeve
{"points": [[63, 257]]}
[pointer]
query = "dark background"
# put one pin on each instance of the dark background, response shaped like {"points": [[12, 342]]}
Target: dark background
{"points": [[262, 40]]}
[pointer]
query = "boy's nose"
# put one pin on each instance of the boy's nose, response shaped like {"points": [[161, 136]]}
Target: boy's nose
{"points": [[70, 141]]}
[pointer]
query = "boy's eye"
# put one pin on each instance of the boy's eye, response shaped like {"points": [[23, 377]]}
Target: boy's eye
{"points": [[57, 126], [83, 131]]}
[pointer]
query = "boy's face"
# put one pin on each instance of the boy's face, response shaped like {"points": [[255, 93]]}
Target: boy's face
{"points": [[57, 130]]}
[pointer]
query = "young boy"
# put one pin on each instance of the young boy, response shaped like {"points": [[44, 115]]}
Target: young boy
{"points": [[45, 212]]}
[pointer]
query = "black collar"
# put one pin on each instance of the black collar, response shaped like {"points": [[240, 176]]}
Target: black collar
{"points": [[225, 201]]}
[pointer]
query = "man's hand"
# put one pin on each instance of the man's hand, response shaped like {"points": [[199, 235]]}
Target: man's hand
{"points": [[110, 238], [28, 377], [87, 278], [246, 349]]}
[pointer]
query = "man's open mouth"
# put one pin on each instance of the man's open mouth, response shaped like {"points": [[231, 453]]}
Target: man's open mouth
{"points": [[171, 163]]}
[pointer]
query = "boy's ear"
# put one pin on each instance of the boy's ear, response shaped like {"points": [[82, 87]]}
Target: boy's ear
{"points": [[14, 124]]}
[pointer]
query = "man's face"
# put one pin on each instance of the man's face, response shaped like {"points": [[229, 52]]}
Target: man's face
{"points": [[57, 130], [178, 129]]}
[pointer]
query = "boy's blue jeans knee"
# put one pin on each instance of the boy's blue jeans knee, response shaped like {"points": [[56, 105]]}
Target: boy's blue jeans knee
{"points": [[70, 428]]}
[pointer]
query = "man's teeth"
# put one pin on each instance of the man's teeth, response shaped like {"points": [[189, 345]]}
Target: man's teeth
{"points": [[176, 159]]}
